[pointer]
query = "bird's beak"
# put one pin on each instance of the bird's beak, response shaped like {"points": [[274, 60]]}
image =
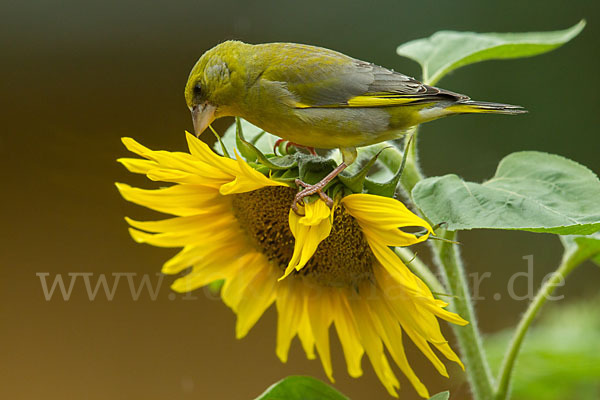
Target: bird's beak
{"points": [[202, 115]]}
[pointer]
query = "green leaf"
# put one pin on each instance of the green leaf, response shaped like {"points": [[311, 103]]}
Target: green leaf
{"points": [[262, 140], [252, 153], [445, 51], [301, 388], [559, 358], [384, 180], [246, 149], [441, 396], [313, 169], [356, 181], [582, 248], [530, 191]]}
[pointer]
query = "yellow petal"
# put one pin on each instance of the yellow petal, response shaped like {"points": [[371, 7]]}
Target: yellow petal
{"points": [[247, 180], [315, 213], [385, 212], [373, 346], [195, 255], [232, 292], [212, 267], [394, 266], [181, 200], [290, 307], [135, 147], [201, 151], [347, 333], [259, 294], [176, 176], [201, 222], [306, 336], [383, 217], [308, 231], [391, 333], [138, 166], [183, 238], [320, 317]]}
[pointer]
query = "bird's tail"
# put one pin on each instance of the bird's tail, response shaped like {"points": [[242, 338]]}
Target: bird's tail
{"points": [[470, 106]]}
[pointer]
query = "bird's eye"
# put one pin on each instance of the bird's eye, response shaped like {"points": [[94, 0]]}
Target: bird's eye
{"points": [[197, 90]]}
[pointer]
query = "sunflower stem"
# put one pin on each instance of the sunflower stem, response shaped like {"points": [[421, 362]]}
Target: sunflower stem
{"points": [[569, 262], [451, 268], [468, 336]]}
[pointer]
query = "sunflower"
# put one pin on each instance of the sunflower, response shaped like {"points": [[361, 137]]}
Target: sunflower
{"points": [[328, 266]]}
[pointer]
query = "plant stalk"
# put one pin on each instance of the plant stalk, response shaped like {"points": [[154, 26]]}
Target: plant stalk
{"points": [[569, 262], [469, 337]]}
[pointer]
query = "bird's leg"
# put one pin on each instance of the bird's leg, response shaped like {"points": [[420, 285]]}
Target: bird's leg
{"points": [[311, 150], [316, 188], [276, 145]]}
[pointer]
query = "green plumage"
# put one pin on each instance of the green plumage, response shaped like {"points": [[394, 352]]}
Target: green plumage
{"points": [[318, 97]]}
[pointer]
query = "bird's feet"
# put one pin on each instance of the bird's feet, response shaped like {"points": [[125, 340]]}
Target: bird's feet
{"points": [[307, 191], [311, 150], [316, 188]]}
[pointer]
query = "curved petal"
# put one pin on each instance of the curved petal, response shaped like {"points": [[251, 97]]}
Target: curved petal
{"points": [[383, 217], [309, 230]]}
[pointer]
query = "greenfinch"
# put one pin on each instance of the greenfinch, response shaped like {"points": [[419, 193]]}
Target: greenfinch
{"points": [[316, 97]]}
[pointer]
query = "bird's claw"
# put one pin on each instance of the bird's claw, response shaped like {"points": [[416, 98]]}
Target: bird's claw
{"points": [[307, 191]]}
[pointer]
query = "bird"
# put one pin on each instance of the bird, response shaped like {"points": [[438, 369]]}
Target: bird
{"points": [[316, 97]]}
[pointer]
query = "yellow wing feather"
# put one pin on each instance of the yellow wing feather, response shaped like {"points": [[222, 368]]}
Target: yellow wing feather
{"points": [[370, 100]]}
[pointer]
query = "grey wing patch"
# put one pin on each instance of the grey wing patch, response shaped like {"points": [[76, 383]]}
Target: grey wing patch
{"points": [[390, 81], [363, 79]]}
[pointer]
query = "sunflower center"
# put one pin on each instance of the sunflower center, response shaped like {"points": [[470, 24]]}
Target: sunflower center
{"points": [[343, 259]]}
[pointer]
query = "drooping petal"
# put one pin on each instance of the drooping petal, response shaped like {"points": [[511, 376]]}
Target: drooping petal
{"points": [[219, 254], [320, 317], [384, 217], [345, 325], [258, 296], [308, 230], [305, 334], [394, 266], [290, 310], [373, 346], [307, 338], [212, 267], [232, 291], [391, 334]]}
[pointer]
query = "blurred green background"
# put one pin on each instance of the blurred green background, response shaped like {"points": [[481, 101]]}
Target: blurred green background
{"points": [[77, 76]]}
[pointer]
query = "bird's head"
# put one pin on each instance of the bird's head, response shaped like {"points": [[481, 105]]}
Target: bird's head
{"points": [[211, 89]]}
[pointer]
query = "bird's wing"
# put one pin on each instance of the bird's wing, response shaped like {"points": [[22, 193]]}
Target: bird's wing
{"points": [[318, 77]]}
